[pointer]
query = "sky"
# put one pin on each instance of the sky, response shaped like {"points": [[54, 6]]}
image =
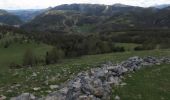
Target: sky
{"points": [[38, 4]]}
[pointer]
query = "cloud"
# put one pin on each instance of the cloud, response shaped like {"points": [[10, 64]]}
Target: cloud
{"points": [[33, 4]]}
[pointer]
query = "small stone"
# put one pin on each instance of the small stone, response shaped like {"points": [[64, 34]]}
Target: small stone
{"points": [[2, 97], [117, 97], [34, 75], [18, 85], [36, 88], [98, 92], [77, 84], [82, 97], [114, 80], [123, 84], [46, 82], [129, 75], [24, 96], [9, 90], [53, 87], [48, 91], [64, 90]]}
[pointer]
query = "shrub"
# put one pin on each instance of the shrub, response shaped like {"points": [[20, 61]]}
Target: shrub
{"points": [[138, 48], [29, 58], [14, 65], [6, 45], [118, 49], [144, 47], [54, 55]]}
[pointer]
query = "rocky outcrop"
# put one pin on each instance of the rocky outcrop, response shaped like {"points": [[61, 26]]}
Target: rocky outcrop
{"points": [[96, 83]]}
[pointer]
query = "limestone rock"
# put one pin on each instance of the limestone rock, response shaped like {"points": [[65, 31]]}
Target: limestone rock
{"points": [[24, 96], [53, 87]]}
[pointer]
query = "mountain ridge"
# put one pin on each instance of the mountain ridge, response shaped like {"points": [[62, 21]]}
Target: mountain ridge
{"points": [[67, 18], [8, 18]]}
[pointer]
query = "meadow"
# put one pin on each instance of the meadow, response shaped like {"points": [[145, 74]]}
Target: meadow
{"points": [[15, 52], [150, 83], [16, 81]]}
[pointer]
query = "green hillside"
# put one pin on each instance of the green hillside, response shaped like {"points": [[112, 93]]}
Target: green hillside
{"points": [[14, 53], [9, 19], [61, 72]]}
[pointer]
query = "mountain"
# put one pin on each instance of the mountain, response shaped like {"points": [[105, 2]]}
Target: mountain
{"points": [[161, 6], [26, 15], [74, 17], [96, 9], [77, 18], [60, 21], [146, 18], [9, 19]]}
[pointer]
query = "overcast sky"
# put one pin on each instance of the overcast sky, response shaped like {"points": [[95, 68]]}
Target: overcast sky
{"points": [[38, 4]]}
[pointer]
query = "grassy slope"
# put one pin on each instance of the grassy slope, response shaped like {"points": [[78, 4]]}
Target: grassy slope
{"points": [[56, 74], [14, 53], [147, 84]]}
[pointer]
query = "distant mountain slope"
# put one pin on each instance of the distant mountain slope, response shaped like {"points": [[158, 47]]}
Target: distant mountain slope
{"points": [[69, 18], [161, 6], [58, 21], [97, 9], [26, 15], [9, 19], [145, 18]]}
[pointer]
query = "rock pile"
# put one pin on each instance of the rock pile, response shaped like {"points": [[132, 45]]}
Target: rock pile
{"points": [[96, 83]]}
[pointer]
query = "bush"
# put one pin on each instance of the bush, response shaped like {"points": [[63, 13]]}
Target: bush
{"points": [[138, 48], [145, 47], [54, 55], [6, 45], [29, 58], [164, 46], [118, 49], [14, 66]]}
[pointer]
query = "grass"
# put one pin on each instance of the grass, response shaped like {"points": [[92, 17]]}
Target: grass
{"points": [[84, 29], [147, 84], [59, 73], [14, 53], [128, 46]]}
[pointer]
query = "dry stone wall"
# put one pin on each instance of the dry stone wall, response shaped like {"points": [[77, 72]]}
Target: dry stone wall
{"points": [[96, 84]]}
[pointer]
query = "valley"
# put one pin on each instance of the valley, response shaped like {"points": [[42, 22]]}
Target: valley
{"points": [[43, 49]]}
